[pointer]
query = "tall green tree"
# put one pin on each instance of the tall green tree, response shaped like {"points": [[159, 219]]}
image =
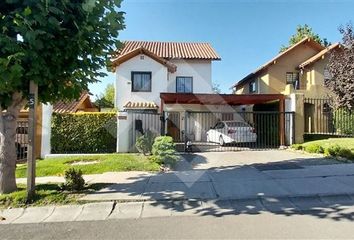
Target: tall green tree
{"points": [[61, 46], [303, 31], [339, 77], [106, 99]]}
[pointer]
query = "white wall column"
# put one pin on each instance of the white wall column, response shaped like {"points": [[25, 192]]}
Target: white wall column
{"points": [[47, 111], [124, 123]]}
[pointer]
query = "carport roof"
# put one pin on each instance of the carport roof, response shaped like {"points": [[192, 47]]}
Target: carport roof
{"points": [[218, 99]]}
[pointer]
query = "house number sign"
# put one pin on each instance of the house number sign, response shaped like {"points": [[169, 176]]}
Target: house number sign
{"points": [[31, 101]]}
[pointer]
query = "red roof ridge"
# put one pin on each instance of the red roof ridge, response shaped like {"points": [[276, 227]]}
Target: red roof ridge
{"points": [[171, 50]]}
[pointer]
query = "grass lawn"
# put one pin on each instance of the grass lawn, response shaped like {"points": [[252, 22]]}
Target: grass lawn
{"points": [[340, 148], [100, 164], [342, 142], [46, 194]]}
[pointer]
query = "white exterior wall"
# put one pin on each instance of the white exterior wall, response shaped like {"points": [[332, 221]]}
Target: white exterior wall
{"points": [[162, 80], [200, 70], [124, 84]]}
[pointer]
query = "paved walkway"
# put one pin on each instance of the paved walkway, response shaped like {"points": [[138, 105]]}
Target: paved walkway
{"points": [[239, 182], [212, 160]]}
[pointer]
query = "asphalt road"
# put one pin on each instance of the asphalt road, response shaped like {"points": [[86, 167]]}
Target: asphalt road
{"points": [[260, 226]]}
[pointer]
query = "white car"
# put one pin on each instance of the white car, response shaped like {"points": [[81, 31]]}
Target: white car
{"points": [[231, 132]]}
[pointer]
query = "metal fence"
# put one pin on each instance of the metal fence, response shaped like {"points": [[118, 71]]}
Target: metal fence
{"points": [[217, 131], [21, 140], [321, 118], [235, 131], [142, 123]]}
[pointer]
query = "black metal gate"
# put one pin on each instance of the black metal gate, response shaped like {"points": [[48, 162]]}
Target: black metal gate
{"points": [[144, 123], [235, 131], [218, 131], [21, 140], [321, 118]]}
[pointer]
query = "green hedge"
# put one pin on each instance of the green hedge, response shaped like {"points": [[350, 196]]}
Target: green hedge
{"points": [[84, 133]]}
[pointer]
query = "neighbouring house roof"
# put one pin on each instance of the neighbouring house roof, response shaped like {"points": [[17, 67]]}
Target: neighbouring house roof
{"points": [[172, 50], [218, 99], [141, 50], [73, 106], [306, 40], [319, 55], [140, 105]]}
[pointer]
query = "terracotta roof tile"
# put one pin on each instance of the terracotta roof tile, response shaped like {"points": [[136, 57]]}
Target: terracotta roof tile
{"points": [[140, 105], [172, 50], [69, 107]]}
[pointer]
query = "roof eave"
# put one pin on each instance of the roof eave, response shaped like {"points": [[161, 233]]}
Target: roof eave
{"points": [[274, 60], [321, 55], [121, 59]]}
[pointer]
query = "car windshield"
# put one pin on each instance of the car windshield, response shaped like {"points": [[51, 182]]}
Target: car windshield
{"points": [[237, 124]]}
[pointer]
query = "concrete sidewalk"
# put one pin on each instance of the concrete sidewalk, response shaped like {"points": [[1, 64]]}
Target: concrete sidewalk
{"points": [[242, 182], [287, 188], [334, 207], [238, 182]]}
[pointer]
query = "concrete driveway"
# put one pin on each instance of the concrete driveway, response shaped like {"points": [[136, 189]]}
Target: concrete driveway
{"points": [[213, 160], [237, 175]]}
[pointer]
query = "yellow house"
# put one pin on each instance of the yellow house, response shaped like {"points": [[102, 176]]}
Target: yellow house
{"points": [[298, 73]]}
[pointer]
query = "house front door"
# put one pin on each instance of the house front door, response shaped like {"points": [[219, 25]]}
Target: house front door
{"points": [[173, 125]]}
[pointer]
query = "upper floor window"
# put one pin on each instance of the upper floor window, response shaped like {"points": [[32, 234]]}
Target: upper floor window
{"points": [[184, 84], [141, 81], [253, 86], [293, 78]]}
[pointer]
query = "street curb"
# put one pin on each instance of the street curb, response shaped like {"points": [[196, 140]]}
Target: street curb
{"points": [[295, 204]]}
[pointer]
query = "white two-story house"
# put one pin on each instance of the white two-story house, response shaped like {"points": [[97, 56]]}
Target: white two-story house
{"points": [[173, 80], [162, 77], [144, 70]]}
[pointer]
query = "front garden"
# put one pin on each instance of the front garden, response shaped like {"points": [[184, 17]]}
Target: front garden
{"points": [[94, 164], [341, 148], [46, 194]]}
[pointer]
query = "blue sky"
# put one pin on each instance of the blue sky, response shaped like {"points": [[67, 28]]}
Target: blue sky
{"points": [[244, 33]]}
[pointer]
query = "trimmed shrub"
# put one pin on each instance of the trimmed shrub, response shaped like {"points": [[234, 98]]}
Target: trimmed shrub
{"points": [[84, 133], [297, 146], [346, 153], [163, 151], [332, 151], [73, 180], [144, 143], [314, 148]]}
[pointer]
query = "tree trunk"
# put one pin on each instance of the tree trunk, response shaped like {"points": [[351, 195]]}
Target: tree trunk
{"points": [[8, 156]]}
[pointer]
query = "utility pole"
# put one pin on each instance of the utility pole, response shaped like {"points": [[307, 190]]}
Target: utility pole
{"points": [[31, 158]]}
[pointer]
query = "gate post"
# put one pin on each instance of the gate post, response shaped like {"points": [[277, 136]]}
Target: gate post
{"points": [[123, 131], [163, 126], [282, 121], [186, 116]]}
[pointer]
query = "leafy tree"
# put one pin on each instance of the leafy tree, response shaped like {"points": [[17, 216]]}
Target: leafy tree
{"points": [[301, 33], [339, 77], [216, 87], [106, 100], [61, 46]]}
